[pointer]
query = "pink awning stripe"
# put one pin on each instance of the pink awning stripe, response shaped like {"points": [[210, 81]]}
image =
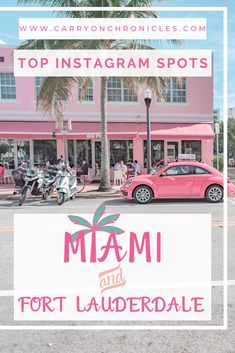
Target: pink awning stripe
{"points": [[81, 129], [181, 130]]}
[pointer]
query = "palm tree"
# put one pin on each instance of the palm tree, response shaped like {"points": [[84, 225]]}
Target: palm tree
{"points": [[57, 91], [98, 224], [231, 136]]}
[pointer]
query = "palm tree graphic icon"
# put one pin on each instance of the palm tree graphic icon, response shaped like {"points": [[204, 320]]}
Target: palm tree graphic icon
{"points": [[99, 223]]}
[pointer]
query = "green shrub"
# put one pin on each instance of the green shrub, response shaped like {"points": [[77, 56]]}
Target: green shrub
{"points": [[4, 148], [221, 162]]}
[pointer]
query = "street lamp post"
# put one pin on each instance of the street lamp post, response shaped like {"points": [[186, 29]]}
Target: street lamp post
{"points": [[148, 99], [217, 131]]}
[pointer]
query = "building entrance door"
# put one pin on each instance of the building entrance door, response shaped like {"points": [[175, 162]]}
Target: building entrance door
{"points": [[172, 151]]}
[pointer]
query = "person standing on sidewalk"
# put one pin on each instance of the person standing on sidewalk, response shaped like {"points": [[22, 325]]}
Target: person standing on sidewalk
{"points": [[124, 171], [84, 168], [137, 168]]}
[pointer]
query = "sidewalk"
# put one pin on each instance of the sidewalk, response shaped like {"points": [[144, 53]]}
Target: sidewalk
{"points": [[90, 191]]}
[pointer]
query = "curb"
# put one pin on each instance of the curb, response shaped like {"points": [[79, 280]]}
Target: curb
{"points": [[83, 195], [98, 195]]}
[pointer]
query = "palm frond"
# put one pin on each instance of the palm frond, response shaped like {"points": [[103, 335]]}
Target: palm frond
{"points": [[51, 3], [158, 85], [83, 231], [80, 220], [111, 229], [32, 44], [132, 83], [83, 85], [131, 45], [55, 92], [99, 213], [108, 220]]}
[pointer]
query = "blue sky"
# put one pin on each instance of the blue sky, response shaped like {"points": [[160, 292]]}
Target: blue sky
{"points": [[214, 41]]}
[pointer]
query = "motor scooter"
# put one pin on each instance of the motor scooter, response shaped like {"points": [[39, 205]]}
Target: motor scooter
{"points": [[66, 186]]}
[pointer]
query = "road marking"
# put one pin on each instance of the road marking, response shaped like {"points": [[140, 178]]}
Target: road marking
{"points": [[221, 224], [6, 229]]}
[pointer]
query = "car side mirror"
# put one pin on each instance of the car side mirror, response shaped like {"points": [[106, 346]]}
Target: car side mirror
{"points": [[163, 174]]}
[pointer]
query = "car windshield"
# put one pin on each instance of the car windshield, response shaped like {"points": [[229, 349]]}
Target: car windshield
{"points": [[160, 169]]}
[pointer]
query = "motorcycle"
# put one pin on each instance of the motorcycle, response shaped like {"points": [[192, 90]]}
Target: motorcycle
{"points": [[48, 184], [66, 186], [47, 187], [33, 181]]}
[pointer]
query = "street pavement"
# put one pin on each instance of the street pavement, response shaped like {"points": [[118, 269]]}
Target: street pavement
{"points": [[115, 341]]}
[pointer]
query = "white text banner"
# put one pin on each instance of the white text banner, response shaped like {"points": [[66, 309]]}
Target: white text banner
{"points": [[96, 63], [112, 28]]}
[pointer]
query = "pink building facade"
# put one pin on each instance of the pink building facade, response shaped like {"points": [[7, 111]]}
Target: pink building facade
{"points": [[180, 125]]}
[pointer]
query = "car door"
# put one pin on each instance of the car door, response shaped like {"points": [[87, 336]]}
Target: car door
{"points": [[200, 180], [176, 181]]}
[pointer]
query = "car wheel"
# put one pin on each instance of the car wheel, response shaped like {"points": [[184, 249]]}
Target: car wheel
{"points": [[214, 193], [143, 194]]}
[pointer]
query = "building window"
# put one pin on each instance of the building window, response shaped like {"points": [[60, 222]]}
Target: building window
{"points": [[7, 153], [121, 150], [119, 92], [157, 151], [79, 150], [7, 86], [23, 151], [192, 147], [88, 96], [176, 90], [39, 81], [114, 89], [128, 96], [44, 150]]}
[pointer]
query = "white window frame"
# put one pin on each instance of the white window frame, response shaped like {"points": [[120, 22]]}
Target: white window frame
{"points": [[171, 91], [37, 87], [1, 85], [122, 89], [84, 99]]}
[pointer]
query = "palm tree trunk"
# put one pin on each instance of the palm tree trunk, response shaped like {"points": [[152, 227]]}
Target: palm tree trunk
{"points": [[105, 165], [93, 247]]}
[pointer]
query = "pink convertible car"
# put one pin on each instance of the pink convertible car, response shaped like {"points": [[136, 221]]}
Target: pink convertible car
{"points": [[178, 180]]}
